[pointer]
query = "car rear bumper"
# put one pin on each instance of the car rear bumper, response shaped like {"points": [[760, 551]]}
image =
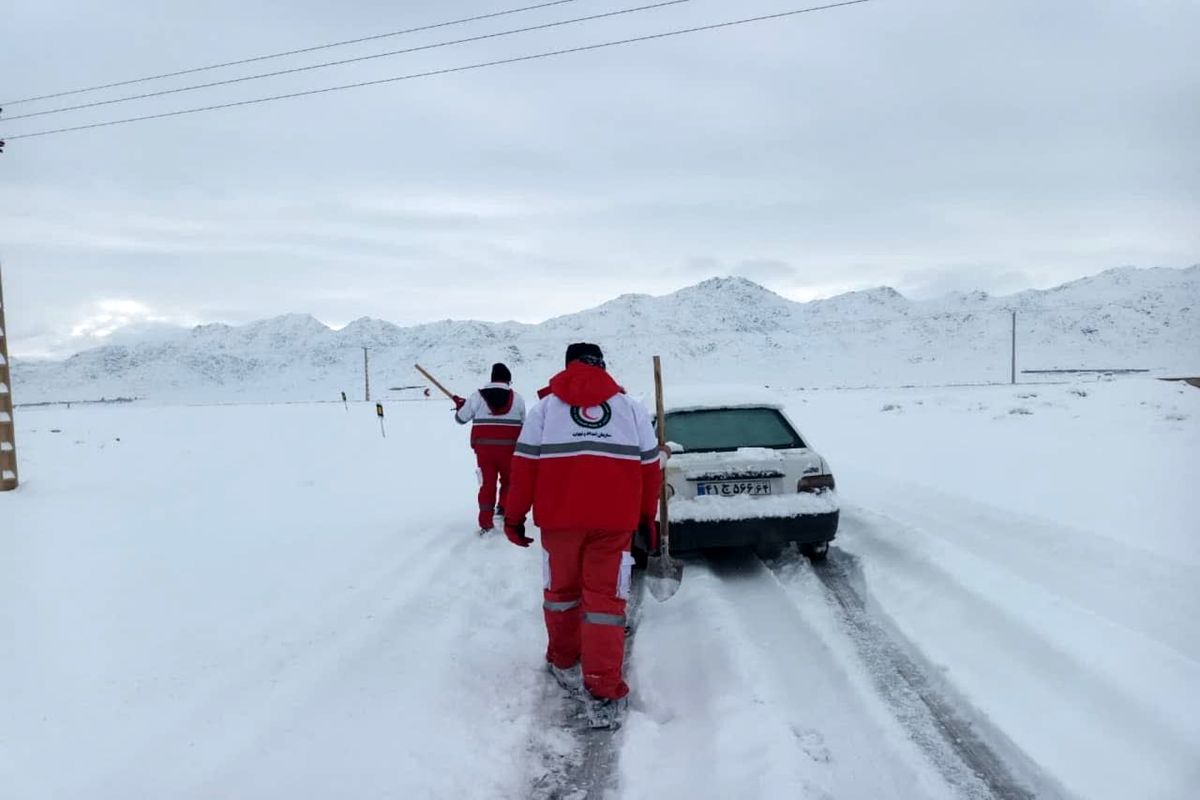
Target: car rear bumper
{"points": [[803, 529]]}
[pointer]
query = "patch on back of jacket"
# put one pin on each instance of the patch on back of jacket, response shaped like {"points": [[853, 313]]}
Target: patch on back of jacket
{"points": [[592, 417]]}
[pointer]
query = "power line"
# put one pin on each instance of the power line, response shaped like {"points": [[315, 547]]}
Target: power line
{"points": [[342, 62], [447, 70], [299, 51]]}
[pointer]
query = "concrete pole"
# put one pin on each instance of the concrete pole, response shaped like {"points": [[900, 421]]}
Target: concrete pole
{"points": [[1014, 348], [8, 427], [366, 375]]}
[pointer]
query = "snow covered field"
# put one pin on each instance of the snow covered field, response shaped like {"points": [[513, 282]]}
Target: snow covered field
{"points": [[273, 601]]}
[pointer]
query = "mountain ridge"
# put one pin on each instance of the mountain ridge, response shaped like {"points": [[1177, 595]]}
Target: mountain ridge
{"points": [[731, 325]]}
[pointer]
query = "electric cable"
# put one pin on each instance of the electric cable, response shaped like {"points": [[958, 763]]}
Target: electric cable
{"points": [[446, 70], [342, 62], [299, 51]]}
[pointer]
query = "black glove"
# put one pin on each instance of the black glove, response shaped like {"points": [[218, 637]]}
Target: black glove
{"points": [[515, 531], [648, 530]]}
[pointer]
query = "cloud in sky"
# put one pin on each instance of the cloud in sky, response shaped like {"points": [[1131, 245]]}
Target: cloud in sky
{"points": [[927, 146], [111, 316]]}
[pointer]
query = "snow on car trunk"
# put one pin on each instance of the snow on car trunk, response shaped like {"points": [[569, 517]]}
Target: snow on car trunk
{"points": [[719, 509]]}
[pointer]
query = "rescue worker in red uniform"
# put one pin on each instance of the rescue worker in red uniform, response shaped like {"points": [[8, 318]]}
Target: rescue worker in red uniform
{"points": [[587, 463], [495, 413]]}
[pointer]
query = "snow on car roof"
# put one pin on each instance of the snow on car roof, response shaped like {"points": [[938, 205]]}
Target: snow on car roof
{"points": [[695, 398]]}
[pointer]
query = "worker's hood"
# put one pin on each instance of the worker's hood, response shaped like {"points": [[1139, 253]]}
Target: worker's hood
{"points": [[583, 385], [499, 398]]}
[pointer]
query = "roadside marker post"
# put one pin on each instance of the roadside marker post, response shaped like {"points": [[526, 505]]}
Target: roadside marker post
{"points": [[345, 403], [379, 413]]}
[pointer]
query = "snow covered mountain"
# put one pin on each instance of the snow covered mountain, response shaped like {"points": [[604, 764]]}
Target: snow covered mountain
{"points": [[720, 330]]}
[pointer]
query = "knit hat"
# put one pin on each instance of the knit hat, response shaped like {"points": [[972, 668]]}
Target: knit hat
{"points": [[500, 374], [586, 352]]}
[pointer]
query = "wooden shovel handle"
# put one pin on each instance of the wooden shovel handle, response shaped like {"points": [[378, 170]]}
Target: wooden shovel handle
{"points": [[663, 522], [434, 381]]}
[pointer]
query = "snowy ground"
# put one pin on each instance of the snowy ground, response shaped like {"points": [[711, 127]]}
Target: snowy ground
{"points": [[274, 601]]}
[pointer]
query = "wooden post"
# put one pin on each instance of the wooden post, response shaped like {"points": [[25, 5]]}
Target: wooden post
{"points": [[1014, 348], [664, 522], [8, 427]]}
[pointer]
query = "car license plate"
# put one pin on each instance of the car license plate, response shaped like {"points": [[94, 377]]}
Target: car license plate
{"points": [[733, 488]]}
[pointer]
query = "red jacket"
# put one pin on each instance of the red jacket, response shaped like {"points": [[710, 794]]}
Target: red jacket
{"points": [[587, 458], [496, 412]]}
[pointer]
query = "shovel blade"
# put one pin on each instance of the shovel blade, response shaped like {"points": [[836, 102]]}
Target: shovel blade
{"points": [[663, 576]]}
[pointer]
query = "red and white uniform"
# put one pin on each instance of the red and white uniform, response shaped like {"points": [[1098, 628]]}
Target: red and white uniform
{"points": [[587, 463], [496, 414]]}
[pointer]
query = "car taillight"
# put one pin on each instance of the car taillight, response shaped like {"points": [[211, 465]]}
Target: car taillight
{"points": [[815, 483]]}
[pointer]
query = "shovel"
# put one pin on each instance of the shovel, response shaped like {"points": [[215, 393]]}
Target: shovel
{"points": [[663, 573]]}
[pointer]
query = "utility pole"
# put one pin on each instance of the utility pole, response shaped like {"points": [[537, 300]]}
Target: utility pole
{"points": [[366, 375], [1014, 347], [8, 423]]}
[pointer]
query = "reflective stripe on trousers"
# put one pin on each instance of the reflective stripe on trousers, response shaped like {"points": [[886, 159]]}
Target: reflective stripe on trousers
{"points": [[565, 605], [584, 604]]}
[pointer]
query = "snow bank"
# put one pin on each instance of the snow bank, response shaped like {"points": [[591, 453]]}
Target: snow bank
{"points": [[1044, 564], [260, 602], [718, 509]]}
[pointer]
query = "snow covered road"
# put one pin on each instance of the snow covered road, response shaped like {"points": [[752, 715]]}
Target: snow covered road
{"points": [[258, 602], [266, 601], [1042, 562], [752, 687]]}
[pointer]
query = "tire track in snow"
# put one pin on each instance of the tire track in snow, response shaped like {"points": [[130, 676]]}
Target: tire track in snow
{"points": [[573, 762], [944, 730], [800, 682], [1056, 660]]}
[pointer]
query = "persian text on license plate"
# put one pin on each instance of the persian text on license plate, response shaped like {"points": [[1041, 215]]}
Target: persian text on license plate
{"points": [[733, 488]]}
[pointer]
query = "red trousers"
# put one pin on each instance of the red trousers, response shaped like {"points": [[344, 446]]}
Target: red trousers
{"points": [[585, 575], [494, 463]]}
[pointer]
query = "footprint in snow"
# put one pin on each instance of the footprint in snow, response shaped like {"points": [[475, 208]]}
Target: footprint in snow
{"points": [[813, 744]]}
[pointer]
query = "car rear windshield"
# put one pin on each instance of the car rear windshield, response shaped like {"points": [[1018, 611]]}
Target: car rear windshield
{"points": [[731, 428]]}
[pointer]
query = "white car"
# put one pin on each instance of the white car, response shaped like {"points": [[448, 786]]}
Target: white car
{"points": [[742, 475]]}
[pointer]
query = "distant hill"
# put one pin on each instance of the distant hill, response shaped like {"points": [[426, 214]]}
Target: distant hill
{"points": [[721, 330]]}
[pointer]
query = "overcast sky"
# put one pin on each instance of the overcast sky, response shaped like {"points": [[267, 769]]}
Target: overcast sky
{"points": [[924, 144]]}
